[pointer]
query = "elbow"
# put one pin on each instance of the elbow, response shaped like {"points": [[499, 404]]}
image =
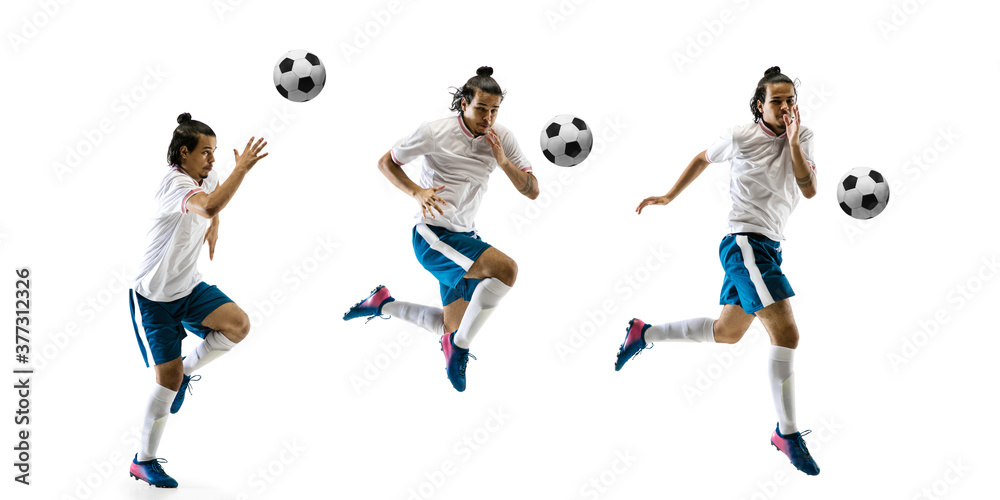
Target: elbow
{"points": [[211, 212], [534, 195], [809, 193]]}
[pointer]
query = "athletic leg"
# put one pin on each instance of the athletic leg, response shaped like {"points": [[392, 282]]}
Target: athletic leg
{"points": [[168, 380], [498, 273], [780, 324], [229, 325]]}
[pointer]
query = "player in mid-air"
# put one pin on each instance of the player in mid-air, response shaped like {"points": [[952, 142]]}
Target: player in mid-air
{"points": [[771, 162], [456, 156], [169, 291]]}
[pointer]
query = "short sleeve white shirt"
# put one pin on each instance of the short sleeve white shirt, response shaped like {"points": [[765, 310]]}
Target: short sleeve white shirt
{"points": [[762, 181], [169, 267], [450, 155]]}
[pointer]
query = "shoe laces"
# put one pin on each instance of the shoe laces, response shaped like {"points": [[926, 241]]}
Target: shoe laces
{"points": [[463, 361], [636, 353], [373, 316], [194, 378], [801, 443], [154, 465]]}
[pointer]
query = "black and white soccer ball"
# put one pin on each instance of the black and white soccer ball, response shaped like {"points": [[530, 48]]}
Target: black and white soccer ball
{"points": [[299, 76], [863, 193], [566, 140]]}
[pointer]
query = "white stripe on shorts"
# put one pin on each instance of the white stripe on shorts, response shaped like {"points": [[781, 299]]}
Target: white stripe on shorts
{"points": [[751, 264], [442, 247]]}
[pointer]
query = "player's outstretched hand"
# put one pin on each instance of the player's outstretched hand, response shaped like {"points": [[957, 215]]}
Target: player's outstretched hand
{"points": [[652, 200], [251, 153], [494, 140], [792, 123], [429, 200]]}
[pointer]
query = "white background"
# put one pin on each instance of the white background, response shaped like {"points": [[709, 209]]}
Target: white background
{"points": [[284, 415]]}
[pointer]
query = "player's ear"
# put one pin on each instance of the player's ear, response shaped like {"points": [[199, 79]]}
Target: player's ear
{"points": [[184, 151], [463, 104]]}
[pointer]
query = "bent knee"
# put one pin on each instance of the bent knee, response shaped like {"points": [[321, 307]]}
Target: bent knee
{"points": [[510, 272], [725, 334], [240, 327]]}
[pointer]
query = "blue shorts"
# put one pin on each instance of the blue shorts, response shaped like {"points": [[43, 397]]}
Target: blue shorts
{"points": [[448, 256], [753, 272], [165, 322]]}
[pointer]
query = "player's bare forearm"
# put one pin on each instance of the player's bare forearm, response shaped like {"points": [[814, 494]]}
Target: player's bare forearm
{"points": [[805, 177], [690, 173], [397, 177], [525, 182], [208, 205]]}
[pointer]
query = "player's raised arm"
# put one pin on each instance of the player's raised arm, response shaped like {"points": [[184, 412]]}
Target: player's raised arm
{"points": [[525, 182], [426, 197], [208, 205], [805, 176], [693, 170]]}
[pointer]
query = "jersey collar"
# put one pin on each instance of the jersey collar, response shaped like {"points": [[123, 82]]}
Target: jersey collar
{"points": [[181, 170], [461, 123], [767, 130]]}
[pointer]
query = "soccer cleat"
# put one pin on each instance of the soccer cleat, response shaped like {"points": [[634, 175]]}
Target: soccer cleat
{"points": [[634, 343], [456, 360], [794, 447], [151, 472], [185, 387], [371, 306]]}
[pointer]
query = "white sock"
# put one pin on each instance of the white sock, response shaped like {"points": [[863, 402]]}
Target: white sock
{"points": [[214, 345], [427, 317], [691, 330], [157, 411], [779, 371], [486, 298]]}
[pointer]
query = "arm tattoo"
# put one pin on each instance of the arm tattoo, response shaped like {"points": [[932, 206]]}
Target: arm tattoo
{"points": [[528, 186], [805, 181]]}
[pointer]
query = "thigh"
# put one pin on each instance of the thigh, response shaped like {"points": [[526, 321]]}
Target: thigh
{"points": [[734, 319], [490, 263], [162, 329], [453, 314], [207, 301], [225, 318], [446, 255]]}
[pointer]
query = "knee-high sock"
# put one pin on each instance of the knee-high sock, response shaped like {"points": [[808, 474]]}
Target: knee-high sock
{"points": [[691, 330], [214, 345], [783, 387], [427, 317], [487, 297], [157, 411]]}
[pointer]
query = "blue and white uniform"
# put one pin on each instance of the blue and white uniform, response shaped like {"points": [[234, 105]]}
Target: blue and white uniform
{"points": [[450, 155], [764, 193], [168, 289]]}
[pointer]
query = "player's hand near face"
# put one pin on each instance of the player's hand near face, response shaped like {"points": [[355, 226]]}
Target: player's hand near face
{"points": [[429, 200], [251, 154], [652, 200], [792, 125], [494, 140]]}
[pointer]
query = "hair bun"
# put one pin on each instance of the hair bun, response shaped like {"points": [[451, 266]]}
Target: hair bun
{"points": [[484, 71], [773, 70], [184, 117]]}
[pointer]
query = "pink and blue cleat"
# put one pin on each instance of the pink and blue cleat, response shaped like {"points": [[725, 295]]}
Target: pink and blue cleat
{"points": [[794, 447], [370, 307], [456, 359], [634, 343], [151, 472]]}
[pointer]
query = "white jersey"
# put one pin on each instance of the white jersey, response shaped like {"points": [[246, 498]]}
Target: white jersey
{"points": [[762, 181], [451, 156], [169, 268]]}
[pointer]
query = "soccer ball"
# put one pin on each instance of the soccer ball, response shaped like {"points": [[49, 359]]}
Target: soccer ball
{"points": [[566, 140], [299, 76], [863, 193]]}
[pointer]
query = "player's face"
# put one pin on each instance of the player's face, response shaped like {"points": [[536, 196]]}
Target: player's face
{"points": [[778, 102], [481, 113], [198, 163]]}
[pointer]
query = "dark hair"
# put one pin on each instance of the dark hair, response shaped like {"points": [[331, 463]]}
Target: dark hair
{"points": [[187, 134], [772, 75], [482, 82]]}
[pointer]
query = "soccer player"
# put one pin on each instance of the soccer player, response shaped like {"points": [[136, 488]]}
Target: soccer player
{"points": [[171, 296], [456, 156], [771, 162]]}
